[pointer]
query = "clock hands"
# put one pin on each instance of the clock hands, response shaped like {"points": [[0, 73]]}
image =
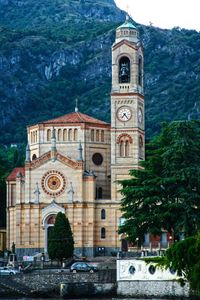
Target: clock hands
{"points": [[125, 115]]}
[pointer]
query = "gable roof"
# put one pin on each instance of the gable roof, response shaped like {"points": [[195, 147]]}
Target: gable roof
{"points": [[75, 117], [13, 174]]}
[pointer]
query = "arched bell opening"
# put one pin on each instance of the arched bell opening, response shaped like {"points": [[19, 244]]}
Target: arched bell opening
{"points": [[140, 67], [124, 70]]}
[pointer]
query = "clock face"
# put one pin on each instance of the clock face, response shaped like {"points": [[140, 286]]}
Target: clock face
{"points": [[140, 116], [124, 114]]}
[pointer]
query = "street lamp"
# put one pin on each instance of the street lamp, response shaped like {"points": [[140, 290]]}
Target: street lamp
{"points": [[137, 240]]}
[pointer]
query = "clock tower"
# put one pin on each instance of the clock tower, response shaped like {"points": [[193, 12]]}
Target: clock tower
{"points": [[127, 105]]}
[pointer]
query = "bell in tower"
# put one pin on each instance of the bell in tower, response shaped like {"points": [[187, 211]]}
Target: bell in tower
{"points": [[124, 70]]}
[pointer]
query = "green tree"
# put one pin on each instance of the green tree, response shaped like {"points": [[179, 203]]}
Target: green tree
{"points": [[61, 242], [184, 257], [165, 192]]}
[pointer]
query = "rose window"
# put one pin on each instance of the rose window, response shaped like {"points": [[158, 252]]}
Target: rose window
{"points": [[53, 183]]}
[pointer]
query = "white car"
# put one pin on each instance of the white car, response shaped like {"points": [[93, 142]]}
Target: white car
{"points": [[8, 271]]}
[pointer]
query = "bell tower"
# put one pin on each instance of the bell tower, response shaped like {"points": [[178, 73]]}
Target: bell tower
{"points": [[127, 105]]}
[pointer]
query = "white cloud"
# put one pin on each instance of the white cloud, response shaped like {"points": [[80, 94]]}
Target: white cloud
{"points": [[164, 14]]}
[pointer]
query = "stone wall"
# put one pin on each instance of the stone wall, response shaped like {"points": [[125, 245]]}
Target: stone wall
{"points": [[48, 283], [156, 289], [136, 278]]}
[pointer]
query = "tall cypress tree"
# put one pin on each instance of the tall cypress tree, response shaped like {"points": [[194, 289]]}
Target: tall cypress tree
{"points": [[61, 242], [165, 192]]}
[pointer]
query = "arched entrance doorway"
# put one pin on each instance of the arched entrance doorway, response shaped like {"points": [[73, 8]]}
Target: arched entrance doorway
{"points": [[49, 223]]}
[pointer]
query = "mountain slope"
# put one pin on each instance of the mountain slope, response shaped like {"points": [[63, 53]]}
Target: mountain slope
{"points": [[52, 52]]}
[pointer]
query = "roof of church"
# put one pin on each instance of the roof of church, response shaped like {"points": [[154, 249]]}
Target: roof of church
{"points": [[75, 117], [15, 171]]}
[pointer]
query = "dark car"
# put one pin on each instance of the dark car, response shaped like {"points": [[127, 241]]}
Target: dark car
{"points": [[83, 267]]}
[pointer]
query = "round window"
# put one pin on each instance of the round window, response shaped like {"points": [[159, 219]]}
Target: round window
{"points": [[53, 183], [97, 159], [152, 269], [132, 270]]}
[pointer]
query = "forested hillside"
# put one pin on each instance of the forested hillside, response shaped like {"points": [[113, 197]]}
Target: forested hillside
{"points": [[52, 52]]}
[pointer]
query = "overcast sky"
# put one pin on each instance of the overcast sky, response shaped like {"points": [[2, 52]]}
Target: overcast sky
{"points": [[164, 14]]}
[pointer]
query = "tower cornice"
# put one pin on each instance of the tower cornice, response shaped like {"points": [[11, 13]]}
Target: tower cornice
{"points": [[115, 94]]}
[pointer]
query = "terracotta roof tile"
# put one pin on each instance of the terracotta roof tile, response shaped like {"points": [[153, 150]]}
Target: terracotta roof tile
{"points": [[75, 117], [13, 174]]}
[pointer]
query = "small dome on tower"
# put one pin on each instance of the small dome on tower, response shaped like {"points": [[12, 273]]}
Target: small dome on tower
{"points": [[127, 24], [127, 31]]}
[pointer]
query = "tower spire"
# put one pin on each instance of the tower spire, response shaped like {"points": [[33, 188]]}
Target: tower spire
{"points": [[127, 12], [76, 107]]}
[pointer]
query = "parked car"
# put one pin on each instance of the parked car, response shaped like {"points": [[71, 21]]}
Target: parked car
{"points": [[83, 267], [8, 271]]}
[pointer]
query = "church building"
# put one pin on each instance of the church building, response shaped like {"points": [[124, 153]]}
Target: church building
{"points": [[73, 164]]}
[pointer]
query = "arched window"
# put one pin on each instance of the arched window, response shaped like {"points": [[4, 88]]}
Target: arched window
{"points": [[140, 71], [92, 135], [124, 141], [126, 148], [75, 134], [100, 193], [103, 214], [124, 70], [140, 141], [140, 147], [33, 136], [48, 135], [59, 135], [102, 135], [103, 233], [65, 135], [97, 136], [34, 157], [70, 135], [121, 148]]}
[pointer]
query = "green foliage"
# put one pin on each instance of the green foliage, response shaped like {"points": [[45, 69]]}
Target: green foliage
{"points": [[184, 257], [36, 32], [61, 243], [9, 159], [168, 185]]}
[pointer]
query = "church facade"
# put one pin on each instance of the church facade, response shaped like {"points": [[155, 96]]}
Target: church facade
{"points": [[73, 164]]}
